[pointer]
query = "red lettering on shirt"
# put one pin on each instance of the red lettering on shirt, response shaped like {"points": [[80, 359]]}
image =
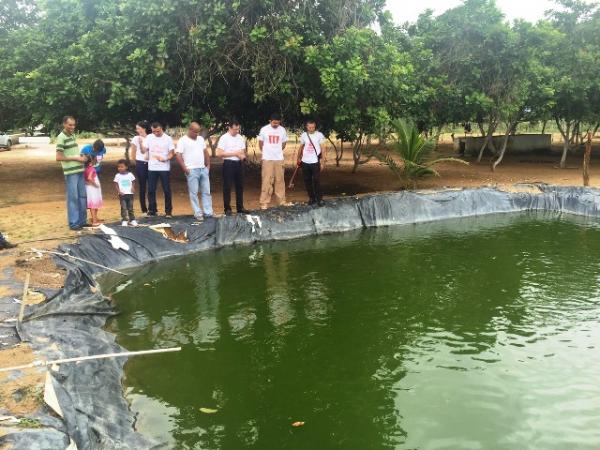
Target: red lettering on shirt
{"points": [[273, 139]]}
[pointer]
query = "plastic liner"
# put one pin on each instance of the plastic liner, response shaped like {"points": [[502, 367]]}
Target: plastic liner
{"points": [[95, 413], [4, 243]]}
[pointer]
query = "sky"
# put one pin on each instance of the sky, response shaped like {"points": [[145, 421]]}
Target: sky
{"points": [[409, 10]]}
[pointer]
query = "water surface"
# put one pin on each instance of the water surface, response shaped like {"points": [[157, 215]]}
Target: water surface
{"points": [[470, 334]]}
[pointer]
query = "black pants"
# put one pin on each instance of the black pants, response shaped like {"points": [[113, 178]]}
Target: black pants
{"points": [[127, 207], [312, 181], [141, 173], [165, 181], [233, 173]]}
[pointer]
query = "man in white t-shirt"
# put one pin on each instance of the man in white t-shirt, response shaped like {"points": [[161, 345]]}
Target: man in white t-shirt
{"points": [[310, 155], [272, 141], [192, 155], [232, 148], [160, 152]]}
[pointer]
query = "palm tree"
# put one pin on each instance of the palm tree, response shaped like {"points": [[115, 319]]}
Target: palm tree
{"points": [[413, 149]]}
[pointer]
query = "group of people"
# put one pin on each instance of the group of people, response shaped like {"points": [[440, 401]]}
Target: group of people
{"points": [[152, 150]]}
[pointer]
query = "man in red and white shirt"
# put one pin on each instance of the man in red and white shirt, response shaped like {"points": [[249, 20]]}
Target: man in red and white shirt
{"points": [[272, 141]]}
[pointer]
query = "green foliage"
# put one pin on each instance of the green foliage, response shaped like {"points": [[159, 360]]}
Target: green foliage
{"points": [[113, 62], [363, 81], [414, 151]]}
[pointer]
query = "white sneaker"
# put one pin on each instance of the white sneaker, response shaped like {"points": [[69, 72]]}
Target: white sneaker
{"points": [[124, 223], [133, 223]]}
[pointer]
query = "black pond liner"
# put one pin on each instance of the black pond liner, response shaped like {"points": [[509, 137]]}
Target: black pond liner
{"points": [[96, 414]]}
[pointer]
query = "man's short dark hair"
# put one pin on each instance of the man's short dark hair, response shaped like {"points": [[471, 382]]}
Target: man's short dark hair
{"points": [[311, 121], [124, 162], [233, 123], [67, 118], [98, 144], [276, 116], [156, 124]]}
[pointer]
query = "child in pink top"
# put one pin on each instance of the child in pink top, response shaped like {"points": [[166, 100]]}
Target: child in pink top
{"points": [[93, 190]]}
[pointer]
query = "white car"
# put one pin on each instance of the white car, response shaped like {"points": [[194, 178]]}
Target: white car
{"points": [[5, 140]]}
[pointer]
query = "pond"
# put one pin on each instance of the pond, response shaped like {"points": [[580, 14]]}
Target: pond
{"points": [[480, 333]]}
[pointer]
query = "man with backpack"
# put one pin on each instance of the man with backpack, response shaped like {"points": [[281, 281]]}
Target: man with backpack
{"points": [[310, 155]]}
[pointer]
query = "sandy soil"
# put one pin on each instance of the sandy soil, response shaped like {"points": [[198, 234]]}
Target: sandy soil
{"points": [[21, 395]]}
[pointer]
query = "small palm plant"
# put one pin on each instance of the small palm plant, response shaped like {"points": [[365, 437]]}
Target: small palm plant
{"points": [[413, 149]]}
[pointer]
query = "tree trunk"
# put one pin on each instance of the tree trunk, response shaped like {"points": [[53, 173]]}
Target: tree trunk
{"points": [[565, 133], [509, 130], [438, 133], [574, 135], [586, 160], [127, 145], [544, 126], [480, 126], [357, 152], [488, 138], [338, 154], [213, 146], [335, 148]]}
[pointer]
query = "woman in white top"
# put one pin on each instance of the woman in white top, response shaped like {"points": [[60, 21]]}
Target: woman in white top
{"points": [[139, 154]]}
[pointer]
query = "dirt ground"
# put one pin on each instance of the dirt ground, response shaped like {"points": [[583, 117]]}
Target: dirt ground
{"points": [[24, 394]]}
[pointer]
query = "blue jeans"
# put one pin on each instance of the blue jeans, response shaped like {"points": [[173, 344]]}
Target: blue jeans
{"points": [[199, 178], [76, 200]]}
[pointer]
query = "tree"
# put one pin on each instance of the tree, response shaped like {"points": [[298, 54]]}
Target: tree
{"points": [[213, 59], [362, 82], [571, 57], [436, 101]]}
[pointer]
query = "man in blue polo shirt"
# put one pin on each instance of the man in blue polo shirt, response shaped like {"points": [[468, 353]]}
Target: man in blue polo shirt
{"points": [[96, 150]]}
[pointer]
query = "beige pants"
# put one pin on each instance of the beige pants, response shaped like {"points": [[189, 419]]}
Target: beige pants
{"points": [[272, 179]]}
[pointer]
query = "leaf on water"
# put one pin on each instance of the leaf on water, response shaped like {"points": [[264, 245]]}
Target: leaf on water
{"points": [[208, 410], [298, 424]]}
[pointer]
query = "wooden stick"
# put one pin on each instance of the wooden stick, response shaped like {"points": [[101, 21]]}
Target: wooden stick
{"points": [[24, 299], [291, 185], [90, 357], [34, 250]]}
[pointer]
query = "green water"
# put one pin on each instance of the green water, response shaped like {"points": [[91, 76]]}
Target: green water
{"points": [[471, 334]]}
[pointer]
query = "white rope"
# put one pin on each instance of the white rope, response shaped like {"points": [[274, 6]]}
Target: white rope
{"points": [[35, 250], [90, 357]]}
